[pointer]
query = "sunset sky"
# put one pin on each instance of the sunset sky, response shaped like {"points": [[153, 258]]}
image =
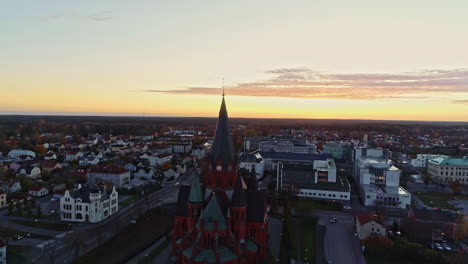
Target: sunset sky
{"points": [[393, 60]]}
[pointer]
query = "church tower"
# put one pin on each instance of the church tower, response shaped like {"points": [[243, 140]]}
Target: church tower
{"points": [[221, 171]]}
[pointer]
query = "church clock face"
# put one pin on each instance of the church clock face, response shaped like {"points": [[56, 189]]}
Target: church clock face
{"points": [[218, 168]]}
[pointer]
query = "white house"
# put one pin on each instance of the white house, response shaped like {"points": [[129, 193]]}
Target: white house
{"points": [[130, 167], [88, 204], [145, 173], [114, 174], [38, 191], [253, 160], [16, 153], [368, 225], [29, 171], [449, 169], [160, 159], [10, 187], [50, 155], [89, 160]]}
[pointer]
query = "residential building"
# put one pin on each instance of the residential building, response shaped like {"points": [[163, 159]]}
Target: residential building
{"points": [[421, 159], [89, 160], [144, 173], [88, 203], [251, 161], [114, 174], [181, 147], [3, 199], [38, 191], [449, 169], [221, 222], [369, 224], [29, 171], [17, 153], [10, 187]]}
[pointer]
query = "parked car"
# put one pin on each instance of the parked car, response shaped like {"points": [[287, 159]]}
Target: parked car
{"points": [[447, 247], [176, 184], [17, 237], [333, 220], [438, 246]]}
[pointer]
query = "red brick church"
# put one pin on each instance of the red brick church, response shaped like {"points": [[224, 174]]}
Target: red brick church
{"points": [[224, 221]]}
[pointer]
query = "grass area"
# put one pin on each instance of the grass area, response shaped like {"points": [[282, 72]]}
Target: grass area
{"points": [[435, 199], [308, 225], [148, 259], [306, 205], [9, 232], [130, 200], [16, 254], [43, 225], [132, 239]]}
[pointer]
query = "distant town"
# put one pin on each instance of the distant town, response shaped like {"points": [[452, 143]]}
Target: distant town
{"points": [[149, 190]]}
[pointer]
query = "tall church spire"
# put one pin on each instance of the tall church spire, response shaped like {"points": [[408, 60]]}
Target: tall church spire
{"points": [[223, 148]]}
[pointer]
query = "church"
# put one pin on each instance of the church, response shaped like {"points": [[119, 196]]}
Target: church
{"points": [[224, 220]]}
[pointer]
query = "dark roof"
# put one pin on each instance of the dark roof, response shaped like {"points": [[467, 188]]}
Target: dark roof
{"points": [[255, 206], [238, 196], [184, 191], [368, 217], [294, 156], [252, 184], [111, 169], [83, 190], [223, 148]]}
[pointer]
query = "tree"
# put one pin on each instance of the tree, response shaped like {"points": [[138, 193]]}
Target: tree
{"points": [[377, 245], [456, 186], [26, 184], [427, 178], [39, 211], [10, 208]]}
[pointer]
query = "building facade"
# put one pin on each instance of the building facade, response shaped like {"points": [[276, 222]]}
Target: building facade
{"points": [[421, 160], [88, 203], [379, 181], [114, 174], [368, 225], [449, 169], [221, 222]]}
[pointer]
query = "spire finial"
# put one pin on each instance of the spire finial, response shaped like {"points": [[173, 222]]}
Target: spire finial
{"points": [[223, 86]]}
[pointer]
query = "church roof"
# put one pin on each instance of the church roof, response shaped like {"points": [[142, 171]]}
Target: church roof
{"points": [[223, 148], [196, 195], [211, 214], [238, 197]]}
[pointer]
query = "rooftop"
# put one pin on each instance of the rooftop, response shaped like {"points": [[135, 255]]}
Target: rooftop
{"points": [[451, 161]]}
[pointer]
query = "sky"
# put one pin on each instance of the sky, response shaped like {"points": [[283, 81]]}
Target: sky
{"points": [[360, 59]]}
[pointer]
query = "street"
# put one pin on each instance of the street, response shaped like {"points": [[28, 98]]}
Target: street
{"points": [[340, 244]]}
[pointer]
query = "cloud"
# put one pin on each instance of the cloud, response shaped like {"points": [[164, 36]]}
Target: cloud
{"points": [[99, 16], [306, 83], [465, 102]]}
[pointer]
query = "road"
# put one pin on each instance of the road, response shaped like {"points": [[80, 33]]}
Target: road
{"points": [[62, 246], [340, 243]]}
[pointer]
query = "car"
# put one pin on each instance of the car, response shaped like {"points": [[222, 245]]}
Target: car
{"points": [[176, 184], [438, 246], [17, 237], [53, 199], [333, 220], [346, 207], [447, 247]]}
